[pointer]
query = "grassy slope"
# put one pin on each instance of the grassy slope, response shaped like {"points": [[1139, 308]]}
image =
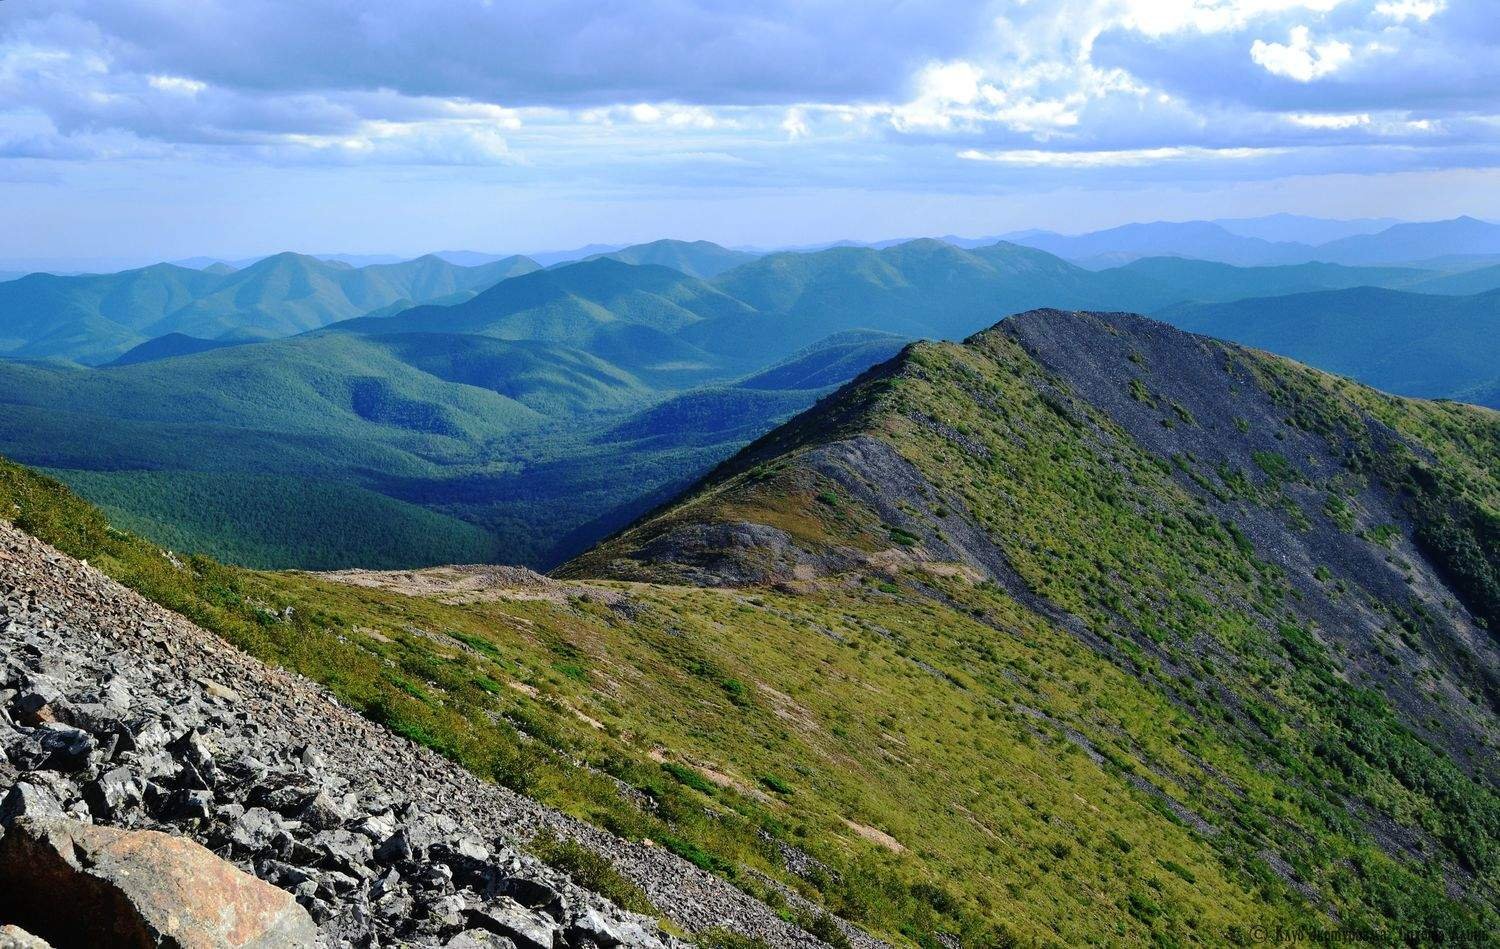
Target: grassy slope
{"points": [[1035, 788], [1112, 537], [789, 715]]}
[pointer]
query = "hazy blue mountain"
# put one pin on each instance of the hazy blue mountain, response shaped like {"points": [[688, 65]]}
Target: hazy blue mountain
{"points": [[11, 275], [1301, 229], [468, 258], [362, 260], [1197, 239], [1478, 280], [551, 258], [922, 288], [170, 345], [1208, 281], [1415, 242], [95, 318], [696, 258], [1407, 343]]}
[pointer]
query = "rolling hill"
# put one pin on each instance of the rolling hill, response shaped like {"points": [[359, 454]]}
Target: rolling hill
{"points": [[1208, 281], [1084, 631], [922, 288], [1408, 343], [95, 318], [701, 259]]}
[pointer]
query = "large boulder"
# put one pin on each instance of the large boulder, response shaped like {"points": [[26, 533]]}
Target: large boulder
{"points": [[77, 884]]}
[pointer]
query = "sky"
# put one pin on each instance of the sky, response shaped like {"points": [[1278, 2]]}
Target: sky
{"points": [[174, 128]]}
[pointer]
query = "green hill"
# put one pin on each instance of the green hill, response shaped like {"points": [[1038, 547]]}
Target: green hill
{"points": [[1306, 572], [172, 344], [1083, 632], [701, 259], [1408, 343], [922, 288], [95, 318], [830, 361]]}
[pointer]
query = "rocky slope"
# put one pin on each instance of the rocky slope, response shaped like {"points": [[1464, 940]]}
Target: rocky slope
{"points": [[1307, 568], [114, 711]]}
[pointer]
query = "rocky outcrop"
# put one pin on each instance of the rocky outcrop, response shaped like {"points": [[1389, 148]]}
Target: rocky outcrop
{"points": [[115, 712], [80, 884]]}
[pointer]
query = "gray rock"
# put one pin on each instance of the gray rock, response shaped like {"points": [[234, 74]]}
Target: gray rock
{"points": [[527, 929], [28, 800], [256, 829], [609, 930], [476, 939], [322, 812], [112, 794], [67, 748]]}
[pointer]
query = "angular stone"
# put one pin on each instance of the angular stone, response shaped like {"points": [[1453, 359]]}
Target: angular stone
{"points": [[322, 812], [256, 829], [79, 884], [479, 939], [397, 848], [609, 930], [378, 827], [532, 894], [113, 794], [190, 805], [505, 916], [28, 800], [68, 748]]}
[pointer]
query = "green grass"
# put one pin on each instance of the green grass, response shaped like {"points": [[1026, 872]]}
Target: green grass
{"points": [[952, 762]]}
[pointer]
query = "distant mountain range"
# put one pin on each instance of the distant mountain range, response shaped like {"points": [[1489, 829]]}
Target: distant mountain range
{"points": [[95, 318], [518, 411], [1403, 243]]}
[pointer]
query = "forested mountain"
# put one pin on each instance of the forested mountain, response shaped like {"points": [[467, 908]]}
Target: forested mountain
{"points": [[922, 288], [694, 258], [94, 318], [550, 407], [1409, 343]]}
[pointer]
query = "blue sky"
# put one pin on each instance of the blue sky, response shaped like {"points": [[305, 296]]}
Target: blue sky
{"points": [[170, 128]]}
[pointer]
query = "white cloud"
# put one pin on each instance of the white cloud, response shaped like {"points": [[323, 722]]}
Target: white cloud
{"points": [[1324, 120], [177, 84], [1161, 17], [795, 124], [1300, 58], [1401, 10], [1112, 158]]}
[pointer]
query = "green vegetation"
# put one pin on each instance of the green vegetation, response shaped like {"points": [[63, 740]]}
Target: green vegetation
{"points": [[1446, 344], [1267, 739], [590, 871], [93, 318]]}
